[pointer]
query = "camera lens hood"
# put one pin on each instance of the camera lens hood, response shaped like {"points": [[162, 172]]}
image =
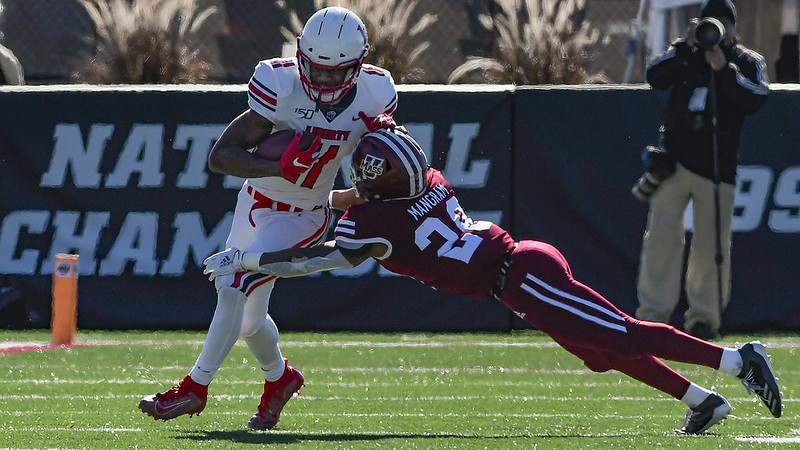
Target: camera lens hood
{"points": [[708, 33]]}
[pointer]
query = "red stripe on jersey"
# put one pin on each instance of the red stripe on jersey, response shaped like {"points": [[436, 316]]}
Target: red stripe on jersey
{"points": [[282, 63], [374, 72], [237, 279], [261, 94]]}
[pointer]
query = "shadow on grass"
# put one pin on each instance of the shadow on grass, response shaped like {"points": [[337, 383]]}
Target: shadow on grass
{"points": [[261, 438], [253, 437]]}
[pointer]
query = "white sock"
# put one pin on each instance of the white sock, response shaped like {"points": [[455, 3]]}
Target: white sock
{"points": [[731, 361], [695, 395]]}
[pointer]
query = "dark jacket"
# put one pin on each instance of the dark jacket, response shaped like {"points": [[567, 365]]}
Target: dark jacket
{"points": [[741, 87]]}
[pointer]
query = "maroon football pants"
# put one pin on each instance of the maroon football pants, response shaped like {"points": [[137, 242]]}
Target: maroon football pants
{"points": [[540, 288]]}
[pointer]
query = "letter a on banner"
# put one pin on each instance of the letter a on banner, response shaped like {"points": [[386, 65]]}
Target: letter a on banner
{"points": [[64, 320]]}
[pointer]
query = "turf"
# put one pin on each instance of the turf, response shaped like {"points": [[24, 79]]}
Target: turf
{"points": [[368, 391]]}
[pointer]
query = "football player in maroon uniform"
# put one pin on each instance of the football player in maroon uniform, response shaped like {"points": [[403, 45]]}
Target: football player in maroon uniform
{"points": [[430, 238]]}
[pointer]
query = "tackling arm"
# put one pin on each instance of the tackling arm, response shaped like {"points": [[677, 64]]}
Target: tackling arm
{"points": [[292, 262], [342, 199]]}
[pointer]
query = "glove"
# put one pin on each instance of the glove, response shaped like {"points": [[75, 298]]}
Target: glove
{"points": [[226, 262], [379, 122], [295, 161]]}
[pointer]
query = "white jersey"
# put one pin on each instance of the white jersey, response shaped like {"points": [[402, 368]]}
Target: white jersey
{"points": [[275, 92]]}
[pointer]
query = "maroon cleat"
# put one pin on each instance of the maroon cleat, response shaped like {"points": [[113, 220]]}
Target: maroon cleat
{"points": [[186, 397], [276, 395]]}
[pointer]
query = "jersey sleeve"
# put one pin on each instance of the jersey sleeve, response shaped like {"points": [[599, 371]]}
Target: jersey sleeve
{"points": [[271, 82], [381, 86], [351, 234]]}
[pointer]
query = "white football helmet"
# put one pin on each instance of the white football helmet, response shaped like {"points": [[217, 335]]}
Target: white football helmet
{"points": [[333, 38]]}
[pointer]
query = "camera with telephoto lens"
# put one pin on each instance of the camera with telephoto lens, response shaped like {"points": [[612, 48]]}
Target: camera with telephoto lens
{"points": [[708, 33], [658, 166]]}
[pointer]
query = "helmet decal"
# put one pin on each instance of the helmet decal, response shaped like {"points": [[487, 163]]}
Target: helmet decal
{"points": [[372, 167]]}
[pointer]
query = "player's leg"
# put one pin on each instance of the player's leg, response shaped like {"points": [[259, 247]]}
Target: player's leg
{"points": [[661, 261], [190, 394], [540, 287], [226, 325], [702, 292], [282, 381]]}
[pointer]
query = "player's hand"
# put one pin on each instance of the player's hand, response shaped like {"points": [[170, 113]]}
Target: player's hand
{"points": [[226, 262], [379, 122], [715, 58], [295, 161]]}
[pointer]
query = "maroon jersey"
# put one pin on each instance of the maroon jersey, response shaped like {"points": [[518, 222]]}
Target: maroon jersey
{"points": [[430, 239]]}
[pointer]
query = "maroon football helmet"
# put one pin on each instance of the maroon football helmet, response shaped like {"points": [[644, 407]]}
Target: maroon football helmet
{"points": [[388, 164]]}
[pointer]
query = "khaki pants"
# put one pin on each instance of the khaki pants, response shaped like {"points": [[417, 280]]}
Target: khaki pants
{"points": [[661, 263]]}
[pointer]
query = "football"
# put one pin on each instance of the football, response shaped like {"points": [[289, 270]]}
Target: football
{"points": [[273, 146]]}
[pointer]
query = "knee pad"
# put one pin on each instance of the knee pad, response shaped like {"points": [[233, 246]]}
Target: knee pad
{"points": [[264, 328]]}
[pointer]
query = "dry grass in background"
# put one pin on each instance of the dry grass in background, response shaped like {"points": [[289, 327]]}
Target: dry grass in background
{"points": [[144, 41], [535, 42]]}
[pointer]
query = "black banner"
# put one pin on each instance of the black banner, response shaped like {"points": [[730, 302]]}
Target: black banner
{"points": [[576, 158], [119, 176]]}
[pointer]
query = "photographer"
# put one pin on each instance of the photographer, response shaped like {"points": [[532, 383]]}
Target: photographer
{"points": [[712, 87]]}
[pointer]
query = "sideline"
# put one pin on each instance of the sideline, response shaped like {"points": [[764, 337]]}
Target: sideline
{"points": [[17, 347]]}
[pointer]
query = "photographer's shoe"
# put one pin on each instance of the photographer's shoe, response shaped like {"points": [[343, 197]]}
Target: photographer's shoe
{"points": [[700, 418], [703, 331], [757, 376]]}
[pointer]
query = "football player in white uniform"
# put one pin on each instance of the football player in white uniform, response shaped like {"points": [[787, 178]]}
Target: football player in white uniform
{"points": [[326, 90]]}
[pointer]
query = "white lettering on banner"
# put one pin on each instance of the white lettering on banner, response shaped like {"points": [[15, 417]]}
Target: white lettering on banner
{"points": [[190, 236], [461, 135], [66, 239], [752, 190], [68, 150], [202, 137], [77, 158], [753, 185], [35, 222], [787, 195], [140, 154], [135, 243], [751, 201]]}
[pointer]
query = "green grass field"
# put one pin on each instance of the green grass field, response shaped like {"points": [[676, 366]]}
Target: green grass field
{"points": [[413, 390]]}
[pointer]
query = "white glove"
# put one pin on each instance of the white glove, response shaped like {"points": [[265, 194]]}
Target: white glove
{"points": [[225, 262]]}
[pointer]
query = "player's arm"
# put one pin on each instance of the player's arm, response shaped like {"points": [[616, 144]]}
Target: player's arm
{"points": [[342, 199], [230, 155], [292, 262]]}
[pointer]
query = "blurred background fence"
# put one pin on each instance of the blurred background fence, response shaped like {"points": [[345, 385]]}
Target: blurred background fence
{"points": [[54, 39]]}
